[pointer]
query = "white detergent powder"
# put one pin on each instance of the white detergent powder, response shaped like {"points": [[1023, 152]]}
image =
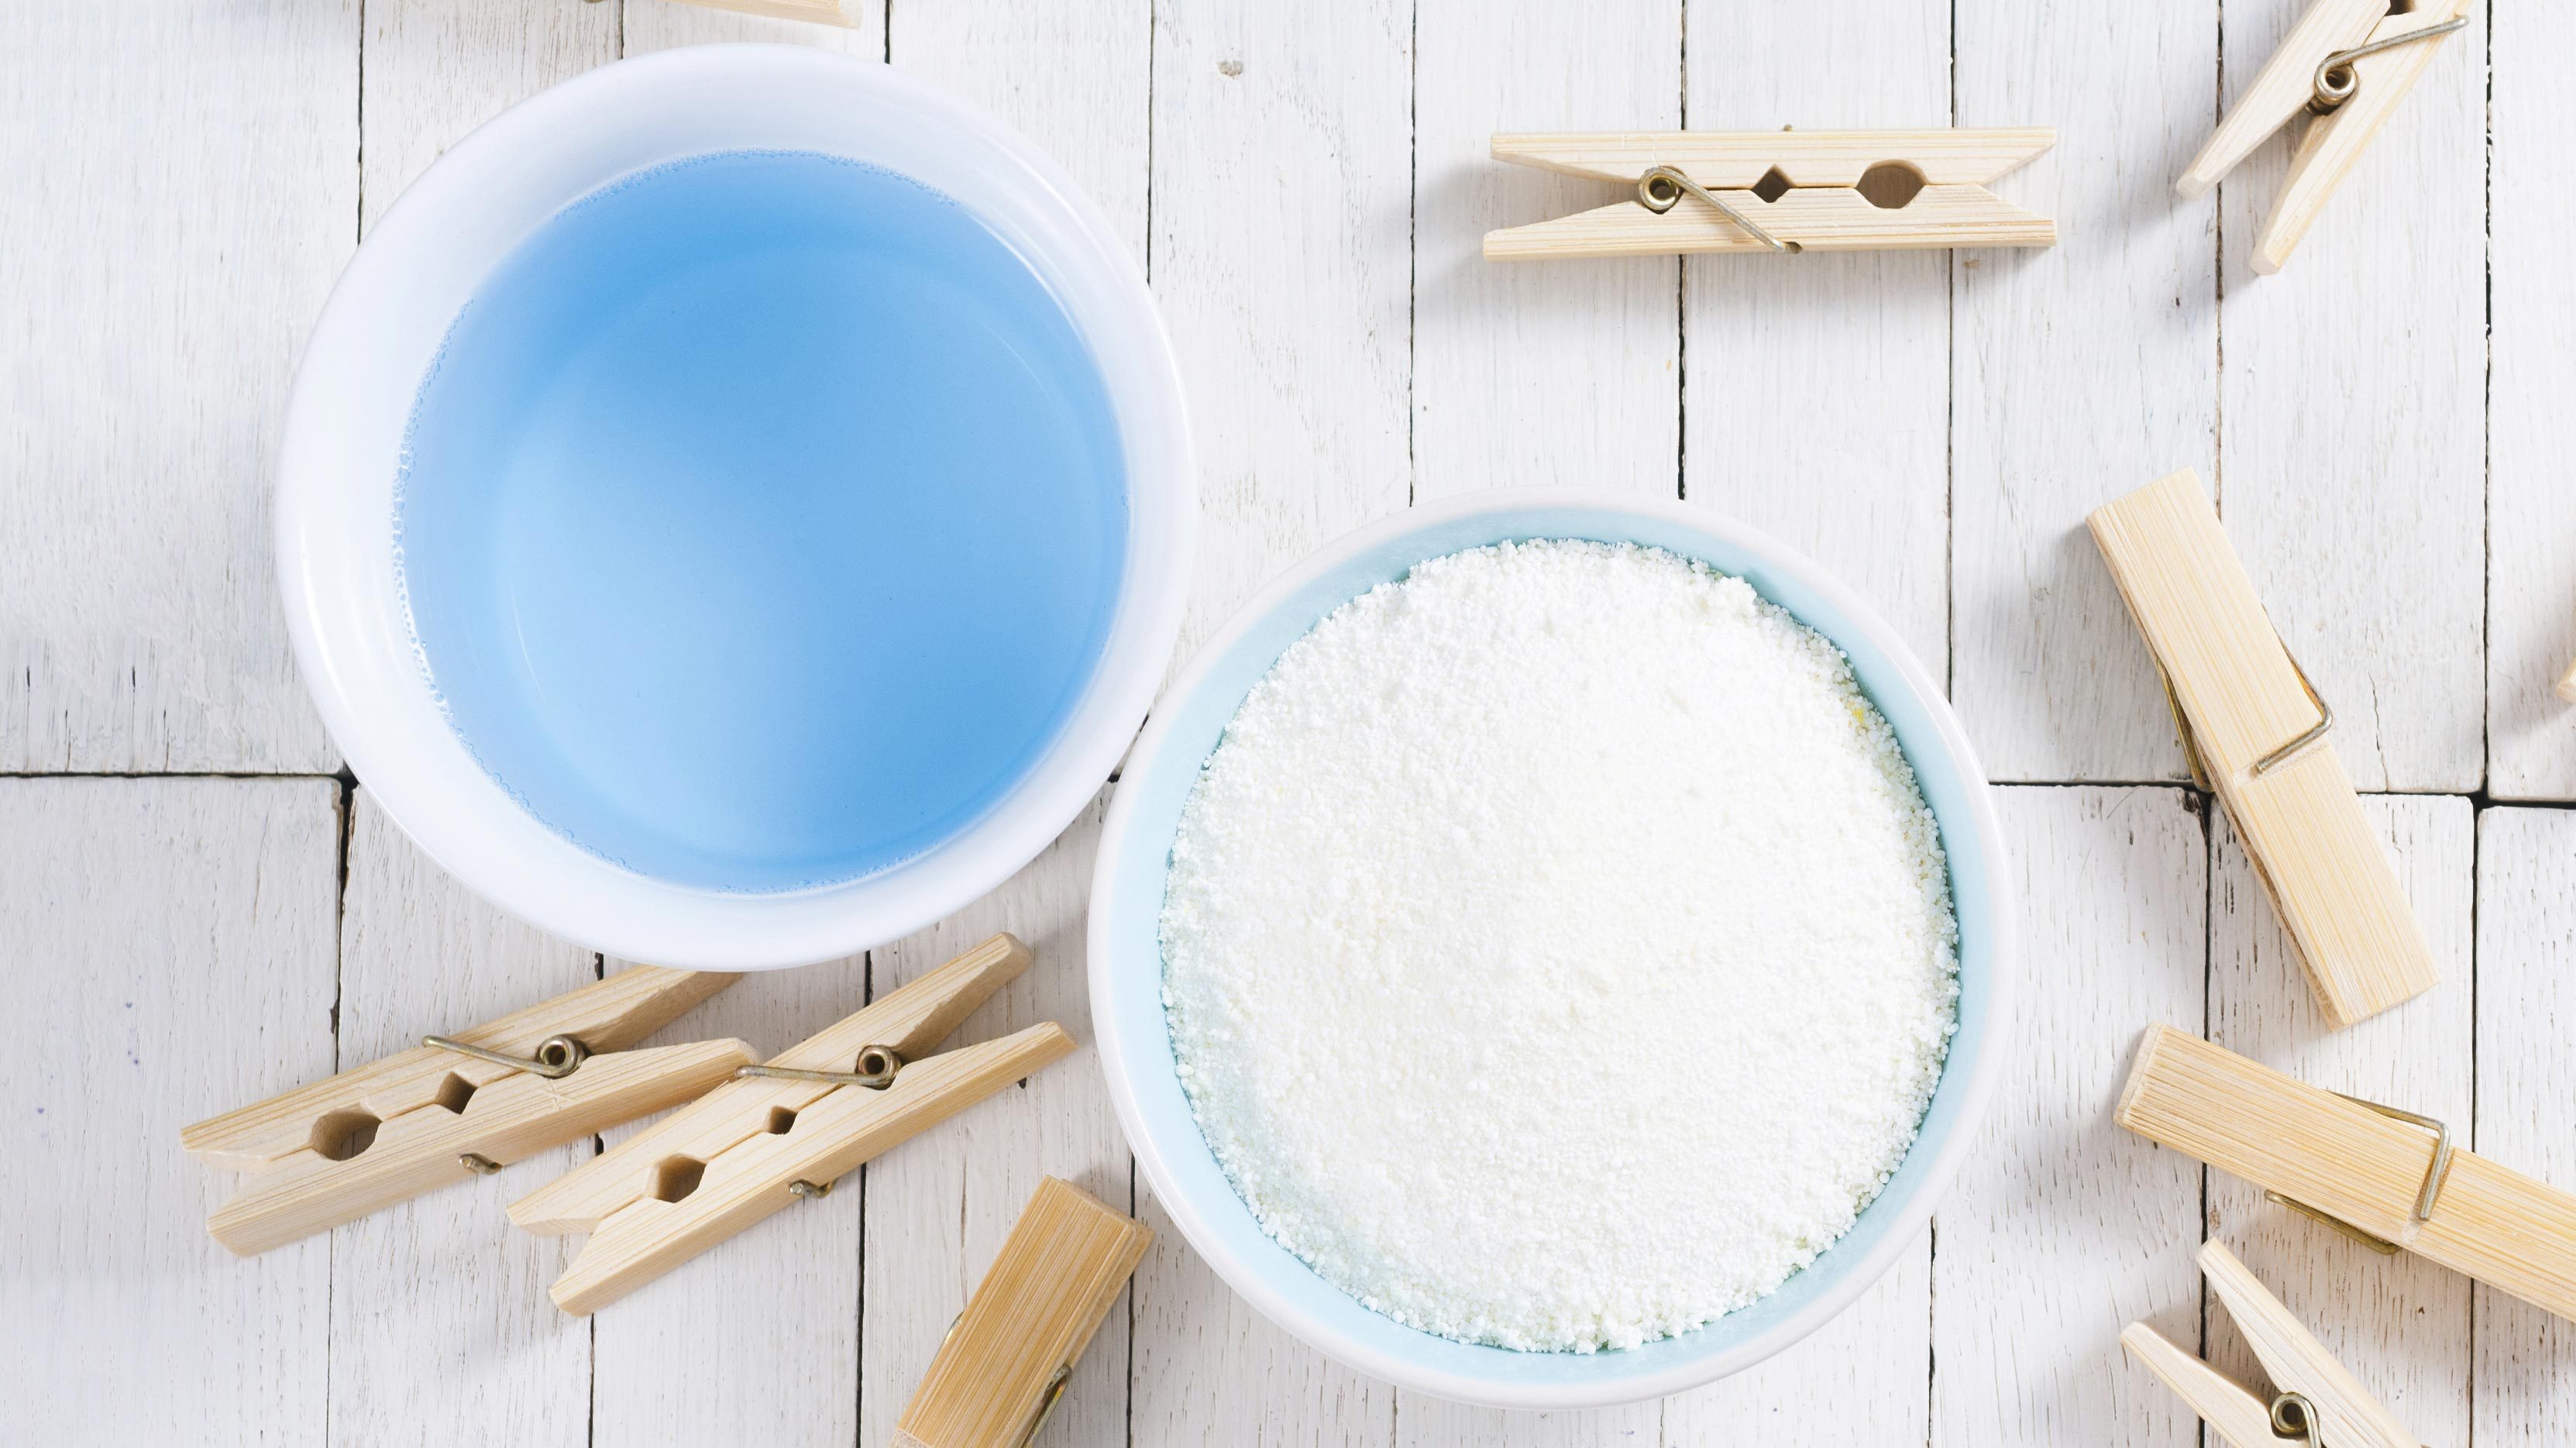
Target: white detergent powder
{"points": [[1557, 949]]}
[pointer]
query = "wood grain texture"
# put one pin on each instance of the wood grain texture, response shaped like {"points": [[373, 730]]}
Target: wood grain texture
{"points": [[1290, 313], [1818, 392], [757, 1342], [2062, 1227], [1818, 408], [1553, 374], [2077, 370], [2401, 1324], [2352, 470], [2531, 530], [1282, 257], [173, 945], [937, 1214], [2525, 1359], [419, 954], [1074, 79], [436, 69], [1863, 1380], [187, 187]]}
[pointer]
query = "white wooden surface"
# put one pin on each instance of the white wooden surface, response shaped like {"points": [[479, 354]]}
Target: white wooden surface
{"points": [[195, 913]]}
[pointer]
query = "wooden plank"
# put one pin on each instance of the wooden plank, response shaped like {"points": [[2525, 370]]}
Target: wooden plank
{"points": [[1819, 410], [2077, 370], [1207, 1368], [2062, 1227], [756, 1342], [2352, 470], [175, 938], [1422, 1422], [2525, 1359], [937, 1213], [1548, 374], [2531, 532], [436, 69], [2252, 720], [651, 25], [2400, 1324], [1862, 1380], [1282, 257], [2353, 1163], [1074, 79], [419, 954], [188, 185]]}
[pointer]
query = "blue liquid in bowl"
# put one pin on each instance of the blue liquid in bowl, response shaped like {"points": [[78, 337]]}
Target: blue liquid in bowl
{"points": [[762, 520]]}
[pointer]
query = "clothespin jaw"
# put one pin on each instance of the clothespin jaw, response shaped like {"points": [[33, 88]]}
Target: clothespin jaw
{"points": [[2349, 62], [336, 1150], [1719, 191], [2318, 1401], [1003, 1366], [2370, 1170], [785, 1130], [2257, 734]]}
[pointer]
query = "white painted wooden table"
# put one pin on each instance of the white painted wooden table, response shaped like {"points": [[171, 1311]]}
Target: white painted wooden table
{"points": [[197, 907]]}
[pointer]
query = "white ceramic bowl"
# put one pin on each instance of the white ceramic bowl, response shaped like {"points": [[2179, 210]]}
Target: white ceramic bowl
{"points": [[1127, 966], [385, 321]]}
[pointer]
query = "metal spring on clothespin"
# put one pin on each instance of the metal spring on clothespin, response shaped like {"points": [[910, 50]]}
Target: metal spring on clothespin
{"points": [[2337, 81], [1662, 188], [2435, 1174]]}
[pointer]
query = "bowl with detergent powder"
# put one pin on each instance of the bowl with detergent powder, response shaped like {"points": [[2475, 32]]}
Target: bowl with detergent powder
{"points": [[736, 507], [1334, 953]]}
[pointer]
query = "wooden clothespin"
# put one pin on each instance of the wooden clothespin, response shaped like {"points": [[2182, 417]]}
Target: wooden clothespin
{"points": [[2255, 732], [2315, 1400], [785, 1130], [1005, 1362], [2386, 1177], [2348, 62], [459, 1106], [1783, 191]]}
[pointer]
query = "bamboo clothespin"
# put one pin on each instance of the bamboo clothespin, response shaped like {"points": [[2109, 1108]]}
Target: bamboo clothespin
{"points": [[459, 1106], [2348, 62], [2387, 1177], [1004, 1364], [2316, 1401], [2255, 732], [1782, 191], [785, 1130]]}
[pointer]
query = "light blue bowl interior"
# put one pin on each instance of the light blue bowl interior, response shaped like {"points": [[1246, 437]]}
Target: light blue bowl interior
{"points": [[1157, 787]]}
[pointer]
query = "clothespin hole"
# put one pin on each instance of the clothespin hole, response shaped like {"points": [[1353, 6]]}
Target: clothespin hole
{"points": [[454, 1092], [674, 1177], [343, 1134], [1662, 192], [781, 1120], [1772, 186], [1890, 185]]}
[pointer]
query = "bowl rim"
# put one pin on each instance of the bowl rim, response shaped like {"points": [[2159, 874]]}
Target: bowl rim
{"points": [[1948, 1152], [700, 100]]}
